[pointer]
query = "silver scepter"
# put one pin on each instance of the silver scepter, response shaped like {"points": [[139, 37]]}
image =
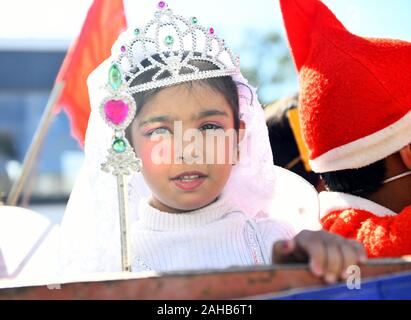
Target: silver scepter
{"points": [[121, 161]]}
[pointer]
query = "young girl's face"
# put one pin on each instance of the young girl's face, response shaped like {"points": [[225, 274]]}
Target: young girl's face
{"points": [[191, 179]]}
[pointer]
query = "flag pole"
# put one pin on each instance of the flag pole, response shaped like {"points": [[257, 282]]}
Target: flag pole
{"points": [[36, 143]]}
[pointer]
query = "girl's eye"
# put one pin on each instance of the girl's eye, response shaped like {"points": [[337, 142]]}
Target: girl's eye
{"points": [[161, 130], [210, 126]]}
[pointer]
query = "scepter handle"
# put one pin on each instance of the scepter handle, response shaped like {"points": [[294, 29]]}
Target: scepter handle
{"points": [[124, 226]]}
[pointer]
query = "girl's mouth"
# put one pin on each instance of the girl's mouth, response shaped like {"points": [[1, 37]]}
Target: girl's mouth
{"points": [[189, 181]]}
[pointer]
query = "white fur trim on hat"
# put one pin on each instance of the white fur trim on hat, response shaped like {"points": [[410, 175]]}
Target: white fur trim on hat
{"points": [[367, 150], [333, 201]]}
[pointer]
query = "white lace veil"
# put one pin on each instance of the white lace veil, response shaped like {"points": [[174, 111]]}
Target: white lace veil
{"points": [[90, 227]]}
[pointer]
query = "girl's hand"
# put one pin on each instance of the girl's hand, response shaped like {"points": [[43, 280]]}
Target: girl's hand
{"points": [[329, 255]]}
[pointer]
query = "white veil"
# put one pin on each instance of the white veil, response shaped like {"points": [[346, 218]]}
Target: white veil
{"points": [[90, 228]]}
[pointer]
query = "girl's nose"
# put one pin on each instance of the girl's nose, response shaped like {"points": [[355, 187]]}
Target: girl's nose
{"points": [[191, 150]]}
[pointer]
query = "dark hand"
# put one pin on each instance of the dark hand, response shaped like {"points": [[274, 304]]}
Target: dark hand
{"points": [[329, 255]]}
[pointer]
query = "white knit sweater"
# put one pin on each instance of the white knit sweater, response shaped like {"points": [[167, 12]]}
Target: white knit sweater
{"points": [[216, 236]]}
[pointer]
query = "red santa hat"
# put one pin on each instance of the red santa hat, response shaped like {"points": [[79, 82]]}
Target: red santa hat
{"points": [[355, 92]]}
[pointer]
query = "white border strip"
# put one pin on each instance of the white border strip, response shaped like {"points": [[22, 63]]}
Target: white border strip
{"points": [[367, 150], [333, 201]]}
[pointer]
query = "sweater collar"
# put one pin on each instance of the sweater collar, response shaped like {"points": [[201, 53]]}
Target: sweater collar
{"points": [[333, 201], [154, 219]]}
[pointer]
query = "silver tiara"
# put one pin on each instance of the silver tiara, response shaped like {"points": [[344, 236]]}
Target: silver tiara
{"points": [[166, 47]]}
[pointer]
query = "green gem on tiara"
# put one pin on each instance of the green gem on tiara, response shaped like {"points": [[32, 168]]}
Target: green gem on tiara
{"points": [[119, 145], [169, 40], [137, 31], [194, 20], [114, 77]]}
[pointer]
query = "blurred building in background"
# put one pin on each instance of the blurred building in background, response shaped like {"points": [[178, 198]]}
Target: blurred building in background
{"points": [[28, 71]]}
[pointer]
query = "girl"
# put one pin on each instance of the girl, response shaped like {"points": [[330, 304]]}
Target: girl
{"points": [[174, 90]]}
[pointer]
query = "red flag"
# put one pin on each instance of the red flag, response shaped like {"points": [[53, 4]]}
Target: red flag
{"points": [[104, 22]]}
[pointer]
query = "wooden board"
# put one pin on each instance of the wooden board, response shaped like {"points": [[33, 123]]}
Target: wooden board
{"points": [[216, 284]]}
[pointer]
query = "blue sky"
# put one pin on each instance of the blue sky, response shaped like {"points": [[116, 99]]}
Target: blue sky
{"points": [[377, 18], [55, 23], [61, 19]]}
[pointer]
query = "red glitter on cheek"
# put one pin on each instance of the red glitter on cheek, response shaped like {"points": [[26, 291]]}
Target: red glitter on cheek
{"points": [[154, 160], [146, 150]]}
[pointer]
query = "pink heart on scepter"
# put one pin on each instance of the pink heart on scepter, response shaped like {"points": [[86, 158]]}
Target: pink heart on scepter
{"points": [[116, 111]]}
